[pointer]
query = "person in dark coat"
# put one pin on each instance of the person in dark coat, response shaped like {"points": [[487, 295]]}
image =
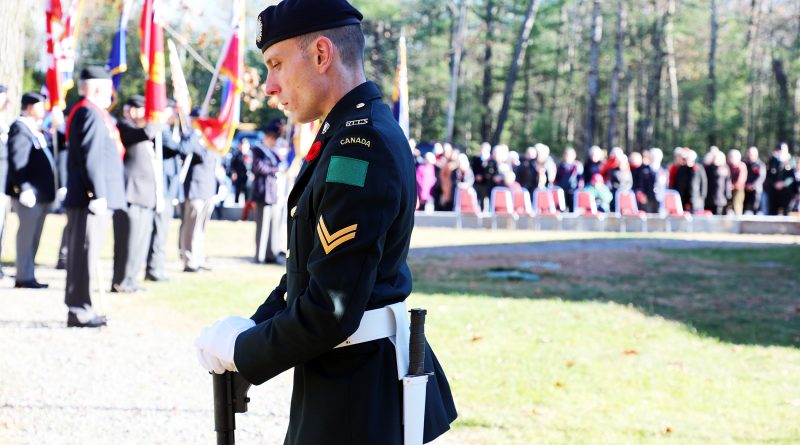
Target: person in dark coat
{"points": [[594, 164], [269, 212], [527, 173], [691, 182], [352, 213], [719, 184], [133, 226], [644, 183], [199, 188], [4, 200], [780, 184], [239, 170], [95, 186], [756, 175], [569, 175], [31, 184]]}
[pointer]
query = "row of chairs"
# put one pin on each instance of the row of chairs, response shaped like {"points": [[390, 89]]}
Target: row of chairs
{"points": [[551, 203]]}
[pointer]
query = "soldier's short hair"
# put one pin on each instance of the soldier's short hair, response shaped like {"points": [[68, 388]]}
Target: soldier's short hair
{"points": [[349, 40]]}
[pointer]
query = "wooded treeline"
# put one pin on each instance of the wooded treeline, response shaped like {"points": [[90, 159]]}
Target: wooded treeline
{"points": [[628, 73]]}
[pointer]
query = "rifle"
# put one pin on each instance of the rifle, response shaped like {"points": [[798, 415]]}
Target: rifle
{"points": [[230, 397]]}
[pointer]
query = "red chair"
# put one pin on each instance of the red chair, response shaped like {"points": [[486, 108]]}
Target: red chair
{"points": [[626, 206], [586, 207], [522, 202], [673, 208], [466, 204], [544, 205], [501, 203], [559, 198]]}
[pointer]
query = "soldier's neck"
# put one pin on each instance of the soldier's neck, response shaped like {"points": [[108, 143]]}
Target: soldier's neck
{"points": [[345, 83]]}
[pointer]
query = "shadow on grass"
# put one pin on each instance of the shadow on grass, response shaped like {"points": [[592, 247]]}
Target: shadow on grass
{"points": [[735, 294]]}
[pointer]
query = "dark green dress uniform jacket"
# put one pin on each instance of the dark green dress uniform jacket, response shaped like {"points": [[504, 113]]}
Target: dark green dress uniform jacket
{"points": [[351, 216]]}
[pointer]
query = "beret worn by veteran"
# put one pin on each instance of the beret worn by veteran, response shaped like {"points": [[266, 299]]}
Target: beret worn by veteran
{"points": [[135, 101], [292, 18], [31, 99], [94, 72]]}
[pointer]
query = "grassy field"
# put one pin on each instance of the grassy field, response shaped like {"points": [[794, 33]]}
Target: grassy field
{"points": [[653, 346]]}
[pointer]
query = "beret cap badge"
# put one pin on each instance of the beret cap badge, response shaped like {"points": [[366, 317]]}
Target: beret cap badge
{"points": [[259, 31]]}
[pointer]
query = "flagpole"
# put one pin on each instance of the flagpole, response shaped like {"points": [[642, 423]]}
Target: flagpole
{"points": [[215, 78]]}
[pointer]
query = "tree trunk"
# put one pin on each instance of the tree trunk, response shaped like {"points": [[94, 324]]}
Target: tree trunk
{"points": [[712, 79], [455, 69], [653, 83], [782, 131], [13, 20], [752, 84], [616, 77], [486, 96], [672, 71], [519, 50], [594, 81], [560, 67]]}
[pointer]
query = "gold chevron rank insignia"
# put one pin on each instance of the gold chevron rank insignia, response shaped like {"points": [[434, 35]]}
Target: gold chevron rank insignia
{"points": [[331, 242]]}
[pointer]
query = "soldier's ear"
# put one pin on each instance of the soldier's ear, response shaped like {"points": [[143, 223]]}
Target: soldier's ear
{"points": [[323, 53]]}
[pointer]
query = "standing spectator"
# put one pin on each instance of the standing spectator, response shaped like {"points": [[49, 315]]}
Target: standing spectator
{"points": [[569, 175], [31, 184], [426, 179], [644, 182], [594, 164], [780, 183], [653, 158], [463, 175], [3, 168], [754, 186], [478, 164], [200, 190], [617, 173], [266, 166], [691, 182], [95, 186], [738, 171], [527, 175], [447, 167], [239, 170], [678, 160], [601, 193], [719, 183], [545, 165], [133, 227]]}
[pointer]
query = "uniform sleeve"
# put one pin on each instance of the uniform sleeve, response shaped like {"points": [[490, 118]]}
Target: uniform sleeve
{"points": [[19, 153], [86, 141], [131, 135], [274, 303], [359, 197]]}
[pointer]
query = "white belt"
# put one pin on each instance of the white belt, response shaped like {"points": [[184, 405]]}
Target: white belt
{"points": [[387, 322]]}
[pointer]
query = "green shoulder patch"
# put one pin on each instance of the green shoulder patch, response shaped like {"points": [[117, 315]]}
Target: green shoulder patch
{"points": [[350, 171]]}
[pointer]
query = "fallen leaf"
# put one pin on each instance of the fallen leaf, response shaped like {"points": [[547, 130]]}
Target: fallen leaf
{"points": [[631, 352], [668, 430], [476, 337], [569, 364], [559, 385]]}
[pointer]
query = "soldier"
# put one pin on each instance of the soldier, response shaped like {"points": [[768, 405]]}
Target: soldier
{"points": [[31, 184], [133, 227], [269, 212], [3, 168], [352, 212], [95, 187], [756, 174], [199, 188]]}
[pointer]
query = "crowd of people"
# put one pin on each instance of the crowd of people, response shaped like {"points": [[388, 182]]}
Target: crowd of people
{"points": [[133, 173], [719, 183]]}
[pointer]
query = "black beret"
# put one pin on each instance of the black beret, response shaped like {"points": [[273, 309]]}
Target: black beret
{"points": [[3, 88], [135, 101], [292, 18], [31, 99], [94, 72]]}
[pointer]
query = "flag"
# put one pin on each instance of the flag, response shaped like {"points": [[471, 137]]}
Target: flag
{"points": [[152, 56], [117, 59], [218, 131], [61, 32], [400, 95]]}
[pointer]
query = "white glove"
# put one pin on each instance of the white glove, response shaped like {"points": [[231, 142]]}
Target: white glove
{"points": [[98, 206], [61, 194], [217, 342], [27, 198]]}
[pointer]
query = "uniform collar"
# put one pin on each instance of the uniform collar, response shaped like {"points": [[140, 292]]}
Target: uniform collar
{"points": [[365, 92]]}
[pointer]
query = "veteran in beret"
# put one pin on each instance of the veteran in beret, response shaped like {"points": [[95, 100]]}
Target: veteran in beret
{"points": [[350, 222]]}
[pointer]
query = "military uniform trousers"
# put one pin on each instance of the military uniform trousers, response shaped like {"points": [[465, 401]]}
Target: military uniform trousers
{"points": [[4, 200], [31, 223], [132, 230], [196, 213], [157, 254], [270, 241], [86, 237]]}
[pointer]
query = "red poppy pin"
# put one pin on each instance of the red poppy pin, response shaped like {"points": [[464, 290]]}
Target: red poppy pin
{"points": [[313, 152]]}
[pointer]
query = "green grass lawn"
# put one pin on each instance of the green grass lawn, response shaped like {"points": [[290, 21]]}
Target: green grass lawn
{"points": [[683, 347]]}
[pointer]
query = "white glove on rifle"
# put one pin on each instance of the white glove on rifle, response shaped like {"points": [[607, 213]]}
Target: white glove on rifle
{"points": [[217, 342], [27, 198], [61, 194], [98, 206]]}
